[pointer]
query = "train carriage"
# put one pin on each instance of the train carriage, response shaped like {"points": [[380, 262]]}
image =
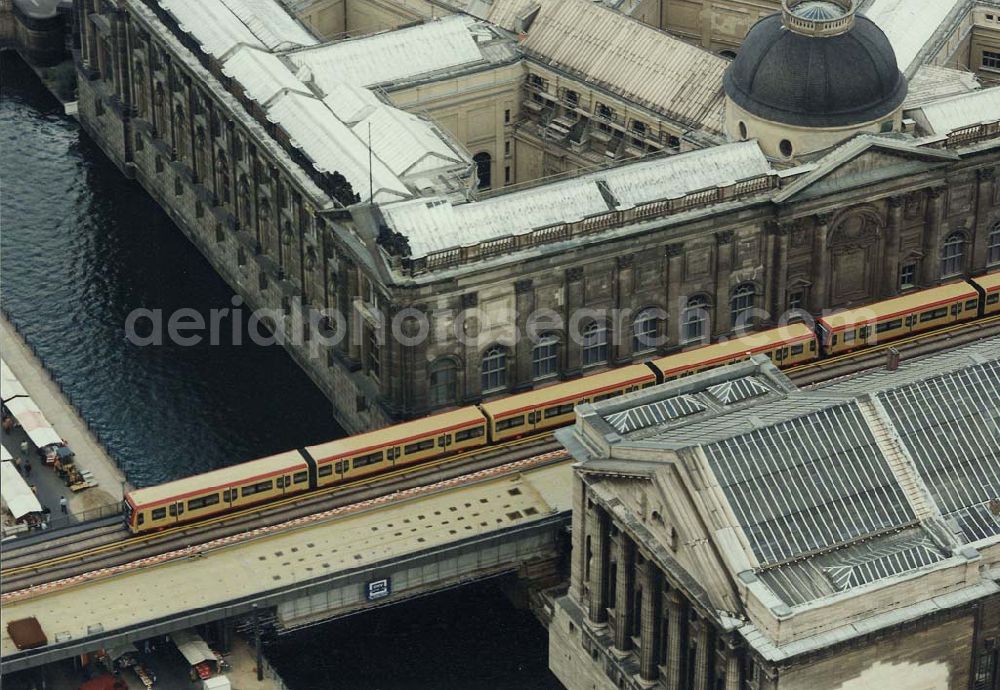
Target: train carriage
{"points": [[210, 493], [894, 318], [525, 413], [399, 445], [786, 346], [989, 292]]}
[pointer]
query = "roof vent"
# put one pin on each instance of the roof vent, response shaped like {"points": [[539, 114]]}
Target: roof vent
{"points": [[818, 17]]}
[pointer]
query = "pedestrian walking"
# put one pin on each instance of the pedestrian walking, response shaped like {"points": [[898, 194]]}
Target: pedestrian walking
{"points": [[34, 489], [27, 468], [62, 504], [17, 465], [24, 449]]}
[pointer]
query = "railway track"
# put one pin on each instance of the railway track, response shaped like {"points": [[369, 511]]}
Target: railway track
{"points": [[110, 545]]}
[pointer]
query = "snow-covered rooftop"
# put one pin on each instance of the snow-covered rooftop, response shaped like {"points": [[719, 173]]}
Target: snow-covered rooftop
{"points": [[932, 82], [910, 25], [434, 224], [391, 56], [945, 116]]}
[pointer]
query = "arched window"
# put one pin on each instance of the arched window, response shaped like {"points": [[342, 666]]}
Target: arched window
{"points": [[245, 210], [545, 358], [180, 133], [483, 169], [140, 89], [953, 254], [695, 319], [595, 344], [494, 369], [741, 304], [443, 380], [223, 171], [993, 245], [645, 331]]}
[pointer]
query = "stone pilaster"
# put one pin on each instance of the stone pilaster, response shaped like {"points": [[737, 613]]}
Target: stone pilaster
{"points": [[933, 233], [624, 287], [650, 624], [893, 227], [574, 301], [703, 656], [524, 301], [821, 263], [597, 530], [624, 593], [675, 275], [733, 665], [723, 268], [779, 233], [984, 224], [676, 657]]}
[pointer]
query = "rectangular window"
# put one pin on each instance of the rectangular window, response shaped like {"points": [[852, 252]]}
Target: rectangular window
{"points": [[506, 116], [326, 470], [506, 148], [889, 326], [159, 513], [849, 336], [373, 355], [907, 276], [796, 300], [203, 502], [991, 59], [466, 434], [935, 314], [365, 460], [558, 410], [798, 349], [300, 477], [506, 174], [418, 446], [993, 299], [606, 396], [257, 488], [510, 423], [972, 304]]}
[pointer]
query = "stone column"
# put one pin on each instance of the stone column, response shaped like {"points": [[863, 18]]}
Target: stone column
{"points": [[723, 268], [675, 637], [703, 655], [650, 624], [675, 275], [983, 226], [624, 593], [821, 263], [168, 96], [621, 329], [779, 271], [597, 530], [574, 301], [524, 304], [890, 270], [733, 668], [473, 355], [930, 266]]}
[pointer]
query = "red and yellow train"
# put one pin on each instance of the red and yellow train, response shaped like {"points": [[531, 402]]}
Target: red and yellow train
{"points": [[449, 433]]}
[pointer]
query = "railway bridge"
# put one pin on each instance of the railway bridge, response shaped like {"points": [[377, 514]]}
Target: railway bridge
{"points": [[509, 519]]}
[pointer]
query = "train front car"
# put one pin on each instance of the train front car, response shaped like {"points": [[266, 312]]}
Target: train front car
{"points": [[552, 406], [786, 346], [399, 445], [885, 321], [988, 287], [219, 491]]}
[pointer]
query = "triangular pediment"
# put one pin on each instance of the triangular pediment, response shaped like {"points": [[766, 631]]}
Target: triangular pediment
{"points": [[862, 162]]}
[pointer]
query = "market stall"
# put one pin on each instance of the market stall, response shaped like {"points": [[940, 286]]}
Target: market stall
{"points": [[20, 500], [202, 659]]}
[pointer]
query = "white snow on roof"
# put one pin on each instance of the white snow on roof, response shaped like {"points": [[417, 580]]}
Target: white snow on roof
{"points": [[393, 55], [909, 24], [261, 74], [221, 25], [933, 82], [962, 111], [434, 224], [406, 143], [333, 147], [349, 102]]}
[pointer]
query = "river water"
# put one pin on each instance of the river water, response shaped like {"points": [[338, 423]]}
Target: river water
{"points": [[80, 248]]}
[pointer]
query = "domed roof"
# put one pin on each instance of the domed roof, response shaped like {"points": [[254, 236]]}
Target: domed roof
{"points": [[816, 65]]}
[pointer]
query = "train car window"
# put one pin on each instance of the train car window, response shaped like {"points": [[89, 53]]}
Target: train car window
{"points": [[849, 336], [833, 340], [141, 519], [173, 510], [972, 304], [798, 349], [935, 314], [327, 470], [418, 446], [649, 385], [204, 501], [363, 460], [812, 346], [300, 477], [889, 326], [510, 422], [227, 495], [159, 513], [393, 453], [281, 482], [265, 486], [257, 488], [993, 299], [558, 410], [605, 396], [466, 434]]}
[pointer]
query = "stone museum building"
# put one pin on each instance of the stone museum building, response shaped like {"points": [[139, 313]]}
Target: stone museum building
{"points": [[731, 532], [457, 171]]}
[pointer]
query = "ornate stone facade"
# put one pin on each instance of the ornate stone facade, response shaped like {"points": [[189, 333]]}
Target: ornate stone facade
{"points": [[852, 228]]}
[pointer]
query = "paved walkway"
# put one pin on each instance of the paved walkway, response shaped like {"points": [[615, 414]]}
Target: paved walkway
{"points": [[90, 455]]}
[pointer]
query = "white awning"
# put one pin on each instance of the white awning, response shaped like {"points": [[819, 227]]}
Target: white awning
{"points": [[16, 493], [33, 421], [194, 649], [9, 384]]}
